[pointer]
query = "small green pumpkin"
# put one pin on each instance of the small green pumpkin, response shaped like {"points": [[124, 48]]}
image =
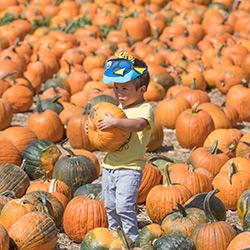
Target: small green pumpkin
{"points": [[39, 158], [173, 242], [94, 189], [148, 235], [74, 170], [183, 221], [97, 99], [217, 206], [243, 209], [52, 104]]}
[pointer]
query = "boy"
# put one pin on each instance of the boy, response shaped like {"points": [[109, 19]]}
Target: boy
{"points": [[122, 169]]}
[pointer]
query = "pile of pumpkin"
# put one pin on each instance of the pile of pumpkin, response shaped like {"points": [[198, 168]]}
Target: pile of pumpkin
{"points": [[51, 63]]}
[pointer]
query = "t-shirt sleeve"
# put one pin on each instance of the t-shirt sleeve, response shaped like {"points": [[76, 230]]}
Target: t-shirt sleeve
{"points": [[146, 112]]}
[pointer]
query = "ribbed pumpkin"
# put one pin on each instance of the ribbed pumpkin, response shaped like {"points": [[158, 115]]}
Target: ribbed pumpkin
{"points": [[231, 184], [110, 139], [6, 114], [81, 215], [34, 230], [150, 178], [192, 178], [218, 116], [9, 153], [241, 241], [243, 147], [227, 140], [74, 170], [162, 199], [183, 221], [46, 124], [240, 163], [13, 178], [92, 189], [75, 133], [167, 110], [211, 158], [5, 197], [46, 202], [193, 126], [20, 137], [4, 239], [148, 235], [214, 234], [39, 158], [243, 209]]}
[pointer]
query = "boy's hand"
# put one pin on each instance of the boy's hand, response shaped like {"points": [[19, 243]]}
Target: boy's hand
{"points": [[108, 121], [86, 128]]}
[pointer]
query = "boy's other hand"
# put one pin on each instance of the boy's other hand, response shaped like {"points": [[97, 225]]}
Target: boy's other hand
{"points": [[86, 128], [108, 121]]}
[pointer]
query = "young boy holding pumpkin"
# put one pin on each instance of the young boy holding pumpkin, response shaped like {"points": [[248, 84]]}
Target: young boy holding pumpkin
{"points": [[122, 169]]}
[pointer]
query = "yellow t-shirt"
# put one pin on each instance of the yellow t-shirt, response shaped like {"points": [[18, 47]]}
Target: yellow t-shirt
{"points": [[131, 154]]}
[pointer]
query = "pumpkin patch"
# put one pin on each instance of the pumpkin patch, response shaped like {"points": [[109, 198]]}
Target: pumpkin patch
{"points": [[195, 192]]}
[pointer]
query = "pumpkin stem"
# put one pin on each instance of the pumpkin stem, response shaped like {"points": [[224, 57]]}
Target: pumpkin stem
{"points": [[231, 171], [206, 206], [17, 42], [8, 75], [69, 66], [52, 186], [39, 108], [68, 27], [179, 80], [194, 108], [214, 148], [55, 98], [219, 51], [193, 83], [191, 168], [244, 82], [181, 209], [168, 181], [123, 238], [29, 85], [62, 144], [246, 143]]}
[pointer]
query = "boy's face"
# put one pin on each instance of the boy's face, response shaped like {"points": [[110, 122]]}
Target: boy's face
{"points": [[127, 94]]}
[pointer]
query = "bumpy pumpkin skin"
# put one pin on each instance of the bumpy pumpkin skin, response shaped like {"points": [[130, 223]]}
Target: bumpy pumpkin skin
{"points": [[34, 231], [4, 239], [81, 215], [150, 178], [13, 178], [241, 241], [109, 139], [173, 242], [177, 223]]}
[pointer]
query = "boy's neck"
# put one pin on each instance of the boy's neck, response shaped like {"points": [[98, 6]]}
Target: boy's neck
{"points": [[138, 101]]}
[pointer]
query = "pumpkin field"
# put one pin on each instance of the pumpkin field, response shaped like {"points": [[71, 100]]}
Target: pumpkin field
{"points": [[195, 189]]}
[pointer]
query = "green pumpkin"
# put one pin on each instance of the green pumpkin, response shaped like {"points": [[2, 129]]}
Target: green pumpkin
{"points": [[217, 206], [183, 221], [97, 99], [93, 190], [164, 79], [52, 104], [148, 235], [74, 170], [54, 82], [39, 158], [243, 209], [173, 242]]}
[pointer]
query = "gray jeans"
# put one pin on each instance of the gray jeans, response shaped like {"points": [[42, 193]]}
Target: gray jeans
{"points": [[120, 190]]}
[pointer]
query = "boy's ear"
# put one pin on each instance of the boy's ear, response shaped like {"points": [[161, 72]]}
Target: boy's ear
{"points": [[143, 89]]}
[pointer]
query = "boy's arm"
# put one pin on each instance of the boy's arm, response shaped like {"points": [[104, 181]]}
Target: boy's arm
{"points": [[131, 125]]}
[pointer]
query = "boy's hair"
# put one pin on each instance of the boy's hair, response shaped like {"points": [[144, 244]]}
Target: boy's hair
{"points": [[142, 80]]}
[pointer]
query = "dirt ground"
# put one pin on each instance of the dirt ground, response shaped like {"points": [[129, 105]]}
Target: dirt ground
{"points": [[170, 148]]}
